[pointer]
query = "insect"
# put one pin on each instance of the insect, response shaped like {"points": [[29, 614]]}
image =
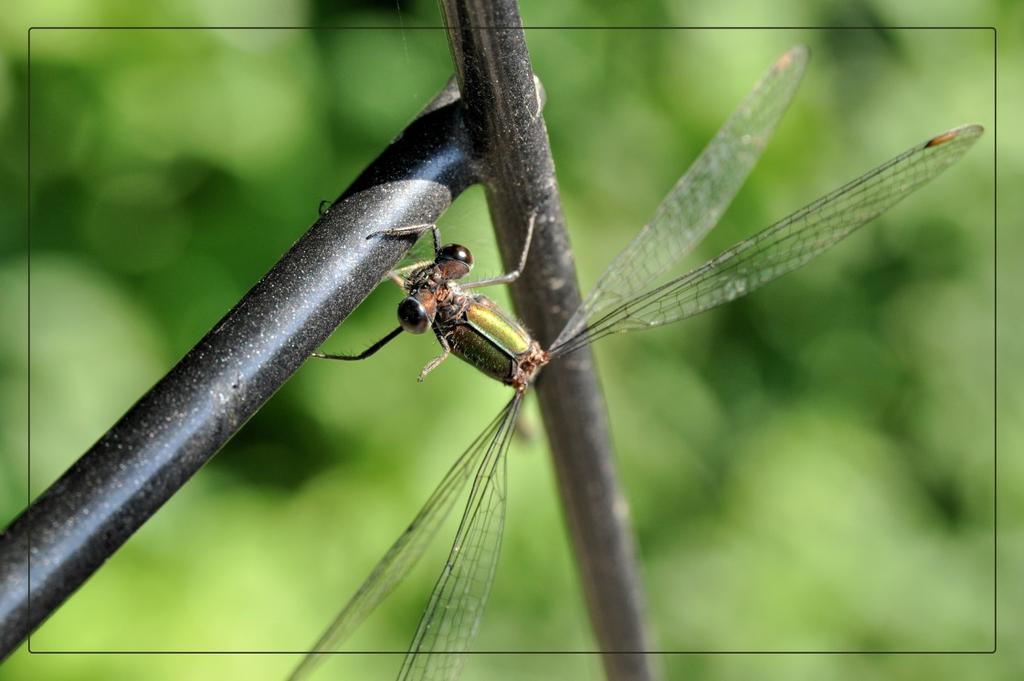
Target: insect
{"points": [[635, 292], [469, 326]]}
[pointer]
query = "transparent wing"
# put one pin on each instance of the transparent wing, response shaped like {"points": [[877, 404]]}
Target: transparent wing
{"points": [[784, 246], [410, 546], [700, 197], [456, 604]]}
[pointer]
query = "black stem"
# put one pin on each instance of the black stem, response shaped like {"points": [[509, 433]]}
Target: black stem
{"points": [[503, 116], [76, 524]]}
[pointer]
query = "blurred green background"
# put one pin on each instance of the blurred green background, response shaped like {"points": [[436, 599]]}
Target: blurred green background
{"points": [[808, 469]]}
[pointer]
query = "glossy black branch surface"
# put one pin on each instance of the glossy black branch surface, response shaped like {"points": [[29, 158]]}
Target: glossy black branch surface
{"points": [[76, 524]]}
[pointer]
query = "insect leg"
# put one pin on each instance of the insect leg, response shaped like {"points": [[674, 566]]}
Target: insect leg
{"points": [[412, 229], [398, 275], [509, 277], [365, 353], [432, 364]]}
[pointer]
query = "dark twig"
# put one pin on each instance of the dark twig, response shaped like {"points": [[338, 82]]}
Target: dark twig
{"points": [[503, 115]]}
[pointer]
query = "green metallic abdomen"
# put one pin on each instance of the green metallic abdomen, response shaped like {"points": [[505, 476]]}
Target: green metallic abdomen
{"points": [[504, 331], [470, 346], [489, 339]]}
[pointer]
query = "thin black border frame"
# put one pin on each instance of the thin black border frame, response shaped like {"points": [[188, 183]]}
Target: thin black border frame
{"points": [[994, 32]]}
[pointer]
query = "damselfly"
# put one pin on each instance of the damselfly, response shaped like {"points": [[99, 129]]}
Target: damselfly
{"points": [[629, 295]]}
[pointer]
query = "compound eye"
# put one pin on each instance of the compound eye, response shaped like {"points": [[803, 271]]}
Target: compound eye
{"points": [[456, 252], [412, 315]]}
